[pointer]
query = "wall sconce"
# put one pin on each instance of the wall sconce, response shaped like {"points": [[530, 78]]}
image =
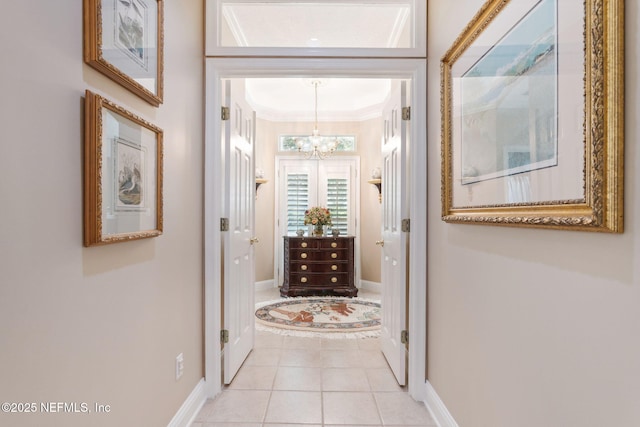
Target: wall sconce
{"points": [[259, 179], [377, 181], [259, 182]]}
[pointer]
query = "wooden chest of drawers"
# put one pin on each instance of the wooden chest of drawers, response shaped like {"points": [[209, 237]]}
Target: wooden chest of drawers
{"points": [[318, 266]]}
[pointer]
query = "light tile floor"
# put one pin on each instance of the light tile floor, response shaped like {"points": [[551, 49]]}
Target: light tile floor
{"points": [[313, 382]]}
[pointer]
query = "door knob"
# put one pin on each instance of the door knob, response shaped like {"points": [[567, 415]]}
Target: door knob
{"points": [[380, 242], [254, 240]]}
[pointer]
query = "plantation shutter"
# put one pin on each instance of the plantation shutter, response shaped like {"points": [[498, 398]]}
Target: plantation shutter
{"points": [[297, 201], [338, 203]]}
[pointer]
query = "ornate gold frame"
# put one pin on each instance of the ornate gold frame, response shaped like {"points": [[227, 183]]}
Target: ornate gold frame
{"points": [[93, 52], [602, 206], [93, 173]]}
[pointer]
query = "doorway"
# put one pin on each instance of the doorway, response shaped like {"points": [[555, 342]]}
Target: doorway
{"points": [[412, 69]]}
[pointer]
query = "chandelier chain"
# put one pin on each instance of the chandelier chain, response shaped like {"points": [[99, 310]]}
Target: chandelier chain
{"points": [[313, 146]]}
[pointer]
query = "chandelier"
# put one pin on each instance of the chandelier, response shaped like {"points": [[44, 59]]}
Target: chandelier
{"points": [[315, 145]]}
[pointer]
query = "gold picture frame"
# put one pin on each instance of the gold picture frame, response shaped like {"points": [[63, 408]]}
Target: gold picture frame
{"points": [[122, 174], [124, 40], [522, 145]]}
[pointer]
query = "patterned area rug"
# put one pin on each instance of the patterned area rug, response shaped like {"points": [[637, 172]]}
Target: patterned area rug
{"points": [[328, 317]]}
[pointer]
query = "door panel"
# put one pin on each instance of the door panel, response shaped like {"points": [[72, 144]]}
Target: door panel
{"points": [[239, 264], [394, 249]]}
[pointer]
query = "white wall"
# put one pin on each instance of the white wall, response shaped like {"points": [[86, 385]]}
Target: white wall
{"points": [[370, 150], [266, 148], [103, 324], [533, 328]]}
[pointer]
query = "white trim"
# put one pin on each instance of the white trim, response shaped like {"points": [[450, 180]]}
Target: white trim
{"points": [[436, 406], [417, 182], [265, 285], [414, 69], [190, 407], [368, 285], [213, 207]]}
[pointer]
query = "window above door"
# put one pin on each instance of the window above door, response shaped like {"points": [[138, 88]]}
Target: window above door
{"points": [[345, 143], [386, 28]]}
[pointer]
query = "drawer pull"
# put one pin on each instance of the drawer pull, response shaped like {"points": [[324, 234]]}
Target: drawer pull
{"points": [[303, 280], [303, 267], [303, 244], [303, 255], [334, 255], [334, 245], [334, 279], [334, 267]]}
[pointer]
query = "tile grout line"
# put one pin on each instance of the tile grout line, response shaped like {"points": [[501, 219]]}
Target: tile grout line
{"points": [[264, 416], [321, 402], [378, 409]]}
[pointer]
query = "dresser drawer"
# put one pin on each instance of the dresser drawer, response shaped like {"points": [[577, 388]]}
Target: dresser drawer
{"points": [[334, 243], [332, 255], [314, 279], [304, 243], [318, 243], [319, 267], [318, 255]]}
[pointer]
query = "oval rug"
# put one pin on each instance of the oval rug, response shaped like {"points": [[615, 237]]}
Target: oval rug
{"points": [[319, 315]]}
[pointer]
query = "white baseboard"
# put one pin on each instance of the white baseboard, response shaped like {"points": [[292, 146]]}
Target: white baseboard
{"points": [[439, 412], [264, 285], [190, 408], [370, 286]]}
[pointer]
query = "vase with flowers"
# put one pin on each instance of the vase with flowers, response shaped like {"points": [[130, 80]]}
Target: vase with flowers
{"points": [[318, 217]]}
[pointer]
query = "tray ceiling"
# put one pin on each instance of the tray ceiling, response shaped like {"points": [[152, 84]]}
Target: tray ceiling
{"points": [[339, 99]]}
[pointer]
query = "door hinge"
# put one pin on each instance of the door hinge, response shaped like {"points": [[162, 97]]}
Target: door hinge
{"points": [[225, 113], [224, 224], [404, 337], [224, 336], [406, 225], [406, 113]]}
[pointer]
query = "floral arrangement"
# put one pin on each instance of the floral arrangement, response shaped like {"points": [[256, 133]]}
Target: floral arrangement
{"points": [[317, 216]]}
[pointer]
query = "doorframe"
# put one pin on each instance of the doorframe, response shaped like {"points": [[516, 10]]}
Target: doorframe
{"points": [[219, 68]]}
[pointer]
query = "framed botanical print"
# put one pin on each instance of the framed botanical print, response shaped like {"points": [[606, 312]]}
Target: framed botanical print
{"points": [[122, 174], [532, 116], [124, 40]]}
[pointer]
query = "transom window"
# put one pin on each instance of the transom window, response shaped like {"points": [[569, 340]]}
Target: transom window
{"points": [[314, 24], [388, 28], [344, 143]]}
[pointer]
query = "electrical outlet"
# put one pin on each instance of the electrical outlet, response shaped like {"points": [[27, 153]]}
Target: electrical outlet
{"points": [[179, 366]]}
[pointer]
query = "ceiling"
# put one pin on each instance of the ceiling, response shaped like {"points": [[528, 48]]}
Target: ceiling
{"points": [[339, 99], [335, 24]]}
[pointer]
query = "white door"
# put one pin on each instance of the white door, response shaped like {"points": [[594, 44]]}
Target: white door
{"points": [[394, 240], [239, 268]]}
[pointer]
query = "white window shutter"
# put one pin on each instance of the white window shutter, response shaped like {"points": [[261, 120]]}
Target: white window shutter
{"points": [[338, 203], [297, 198]]}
